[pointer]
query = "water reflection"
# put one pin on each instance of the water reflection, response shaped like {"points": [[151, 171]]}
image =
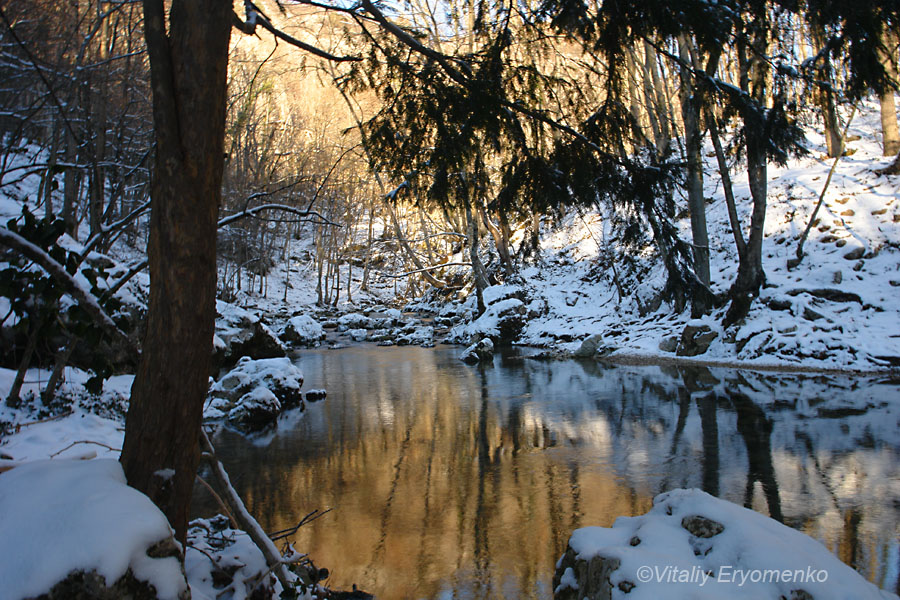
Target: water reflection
{"points": [[450, 481]]}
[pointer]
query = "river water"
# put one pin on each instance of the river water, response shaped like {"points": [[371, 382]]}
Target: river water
{"points": [[452, 481]]}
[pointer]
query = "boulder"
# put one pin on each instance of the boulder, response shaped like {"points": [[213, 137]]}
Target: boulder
{"points": [[302, 330], [589, 346], [253, 394], [73, 529], [240, 333], [695, 339], [355, 321], [478, 352], [416, 335], [691, 545], [255, 410]]}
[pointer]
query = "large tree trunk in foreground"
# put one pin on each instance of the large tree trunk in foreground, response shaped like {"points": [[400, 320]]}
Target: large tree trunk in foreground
{"points": [[188, 65]]}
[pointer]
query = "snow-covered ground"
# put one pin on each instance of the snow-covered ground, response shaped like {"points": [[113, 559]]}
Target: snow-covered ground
{"points": [[798, 321]]}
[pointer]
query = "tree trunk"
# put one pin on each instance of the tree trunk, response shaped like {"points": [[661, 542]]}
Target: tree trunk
{"points": [[750, 275], [825, 97], [890, 133], [481, 282], [690, 113], [188, 67]]}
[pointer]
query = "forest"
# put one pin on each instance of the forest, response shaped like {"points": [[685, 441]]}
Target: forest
{"points": [[699, 183]]}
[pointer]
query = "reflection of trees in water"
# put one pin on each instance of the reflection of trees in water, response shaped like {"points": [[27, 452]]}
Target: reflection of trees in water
{"points": [[470, 480], [756, 429]]}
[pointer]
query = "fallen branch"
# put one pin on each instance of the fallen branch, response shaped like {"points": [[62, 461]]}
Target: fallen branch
{"points": [[243, 517], [812, 219], [73, 444], [19, 426], [425, 269]]}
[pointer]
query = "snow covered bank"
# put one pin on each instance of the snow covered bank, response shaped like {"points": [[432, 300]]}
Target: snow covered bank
{"points": [[82, 516], [692, 545], [836, 310]]}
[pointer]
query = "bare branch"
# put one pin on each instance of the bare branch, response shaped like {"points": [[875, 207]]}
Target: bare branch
{"points": [[256, 17], [425, 269], [283, 207]]}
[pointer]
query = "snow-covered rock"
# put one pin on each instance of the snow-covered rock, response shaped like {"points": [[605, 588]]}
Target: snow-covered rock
{"points": [[355, 321], [416, 335], [358, 335], [478, 352], [694, 546], [75, 529], [240, 333], [302, 330], [253, 394], [502, 322]]}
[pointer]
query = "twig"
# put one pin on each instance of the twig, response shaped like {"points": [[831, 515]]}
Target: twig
{"points": [[218, 499], [48, 419], [101, 444], [304, 521]]}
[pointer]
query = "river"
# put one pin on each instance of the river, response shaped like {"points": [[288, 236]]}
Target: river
{"points": [[446, 480]]}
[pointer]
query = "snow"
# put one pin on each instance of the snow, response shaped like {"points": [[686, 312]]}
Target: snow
{"points": [[78, 515], [214, 547], [306, 329], [753, 557]]}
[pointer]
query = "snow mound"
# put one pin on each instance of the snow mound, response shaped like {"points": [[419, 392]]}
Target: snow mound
{"points": [[693, 545], [253, 394], [304, 330], [79, 516]]}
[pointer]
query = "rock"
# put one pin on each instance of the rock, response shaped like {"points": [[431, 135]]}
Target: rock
{"points": [[355, 321], [589, 346], [668, 344], [240, 333], [315, 395], [576, 578], [649, 557], [695, 339], [358, 335], [837, 278], [702, 527], [812, 315], [254, 393], [776, 304], [92, 586], [855, 254], [302, 330], [421, 335], [831, 294], [478, 352], [255, 410]]}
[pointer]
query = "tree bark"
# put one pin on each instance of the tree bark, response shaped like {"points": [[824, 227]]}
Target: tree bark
{"points": [[890, 132], [750, 275], [188, 64], [693, 141], [825, 97]]}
